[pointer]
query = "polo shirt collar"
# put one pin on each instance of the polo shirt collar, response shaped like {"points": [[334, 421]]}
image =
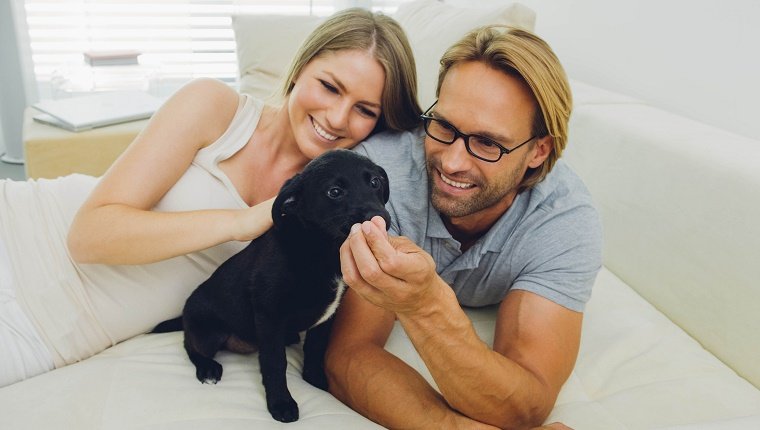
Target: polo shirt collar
{"points": [[436, 228], [496, 237]]}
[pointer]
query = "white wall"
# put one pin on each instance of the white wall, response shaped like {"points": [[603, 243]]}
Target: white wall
{"points": [[698, 58]]}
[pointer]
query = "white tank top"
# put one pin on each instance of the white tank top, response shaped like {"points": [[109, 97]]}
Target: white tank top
{"points": [[81, 309]]}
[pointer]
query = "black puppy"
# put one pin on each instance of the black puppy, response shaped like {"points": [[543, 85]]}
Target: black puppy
{"points": [[286, 281]]}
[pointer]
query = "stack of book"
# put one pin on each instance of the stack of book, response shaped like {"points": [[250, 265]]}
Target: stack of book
{"points": [[111, 58]]}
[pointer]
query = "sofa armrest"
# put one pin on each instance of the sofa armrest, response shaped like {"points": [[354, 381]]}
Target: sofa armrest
{"points": [[679, 202]]}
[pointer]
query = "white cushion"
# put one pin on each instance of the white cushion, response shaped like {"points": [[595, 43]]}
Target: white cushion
{"points": [[149, 383], [266, 44], [638, 370], [432, 27], [635, 370]]}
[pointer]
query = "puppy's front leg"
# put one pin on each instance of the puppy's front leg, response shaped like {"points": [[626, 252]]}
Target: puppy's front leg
{"points": [[314, 348], [273, 363]]}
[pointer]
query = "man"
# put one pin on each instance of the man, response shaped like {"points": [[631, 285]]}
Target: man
{"points": [[505, 223]]}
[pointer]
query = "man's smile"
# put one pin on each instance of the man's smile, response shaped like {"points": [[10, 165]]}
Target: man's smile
{"points": [[456, 184]]}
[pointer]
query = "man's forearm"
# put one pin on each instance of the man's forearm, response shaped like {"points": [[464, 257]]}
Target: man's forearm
{"points": [[513, 385], [385, 389], [473, 378]]}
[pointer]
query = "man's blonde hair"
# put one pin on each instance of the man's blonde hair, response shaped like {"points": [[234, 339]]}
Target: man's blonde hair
{"points": [[524, 55], [381, 36]]}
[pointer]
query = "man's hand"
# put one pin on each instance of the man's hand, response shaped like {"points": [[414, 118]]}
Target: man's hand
{"points": [[513, 384], [390, 272]]}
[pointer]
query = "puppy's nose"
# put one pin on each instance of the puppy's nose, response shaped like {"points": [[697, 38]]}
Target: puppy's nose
{"points": [[381, 213]]}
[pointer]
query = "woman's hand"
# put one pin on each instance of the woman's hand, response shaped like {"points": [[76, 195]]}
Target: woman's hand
{"points": [[254, 221]]}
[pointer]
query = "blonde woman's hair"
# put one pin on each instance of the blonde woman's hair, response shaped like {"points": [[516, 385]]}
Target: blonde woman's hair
{"points": [[381, 36], [524, 55]]}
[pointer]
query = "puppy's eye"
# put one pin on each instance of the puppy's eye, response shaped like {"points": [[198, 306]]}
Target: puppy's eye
{"points": [[375, 182], [334, 192]]}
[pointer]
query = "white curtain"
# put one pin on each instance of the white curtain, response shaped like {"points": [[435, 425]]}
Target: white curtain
{"points": [[187, 38]]}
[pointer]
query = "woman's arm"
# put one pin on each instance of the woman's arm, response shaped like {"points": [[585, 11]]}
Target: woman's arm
{"points": [[115, 225]]}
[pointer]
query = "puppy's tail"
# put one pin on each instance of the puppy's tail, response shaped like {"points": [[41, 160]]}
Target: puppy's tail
{"points": [[169, 326]]}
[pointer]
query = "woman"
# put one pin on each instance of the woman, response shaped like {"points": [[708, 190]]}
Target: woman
{"points": [[188, 193]]}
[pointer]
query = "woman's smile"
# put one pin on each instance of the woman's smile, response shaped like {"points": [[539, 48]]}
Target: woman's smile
{"points": [[322, 132]]}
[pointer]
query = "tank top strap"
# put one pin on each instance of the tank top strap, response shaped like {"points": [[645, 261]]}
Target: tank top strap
{"points": [[235, 137]]}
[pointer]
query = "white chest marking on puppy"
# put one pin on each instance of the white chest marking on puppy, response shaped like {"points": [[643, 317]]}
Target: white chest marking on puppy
{"points": [[340, 288]]}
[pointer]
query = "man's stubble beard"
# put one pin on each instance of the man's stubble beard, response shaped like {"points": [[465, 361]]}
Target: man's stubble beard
{"points": [[486, 195]]}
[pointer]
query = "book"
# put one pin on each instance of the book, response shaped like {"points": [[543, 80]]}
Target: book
{"points": [[111, 58], [97, 110]]}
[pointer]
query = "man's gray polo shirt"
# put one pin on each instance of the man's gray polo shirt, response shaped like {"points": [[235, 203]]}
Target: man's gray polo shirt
{"points": [[548, 242]]}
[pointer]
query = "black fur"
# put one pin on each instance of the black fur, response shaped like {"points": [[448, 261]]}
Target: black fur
{"points": [[282, 283]]}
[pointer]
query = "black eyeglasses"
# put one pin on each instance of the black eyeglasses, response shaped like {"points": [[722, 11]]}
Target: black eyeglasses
{"points": [[478, 146]]}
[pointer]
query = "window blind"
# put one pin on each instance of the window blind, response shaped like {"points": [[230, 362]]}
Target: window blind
{"points": [[187, 38]]}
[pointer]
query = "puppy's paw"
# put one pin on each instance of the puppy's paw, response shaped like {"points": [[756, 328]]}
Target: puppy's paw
{"points": [[209, 373], [315, 376], [285, 411]]}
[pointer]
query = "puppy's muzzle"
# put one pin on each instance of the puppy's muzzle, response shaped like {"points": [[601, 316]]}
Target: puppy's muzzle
{"points": [[381, 213], [364, 215]]}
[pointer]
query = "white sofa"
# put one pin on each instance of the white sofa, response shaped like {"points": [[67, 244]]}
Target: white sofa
{"points": [[669, 338]]}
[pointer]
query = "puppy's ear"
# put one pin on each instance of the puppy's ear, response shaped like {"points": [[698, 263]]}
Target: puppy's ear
{"points": [[287, 200]]}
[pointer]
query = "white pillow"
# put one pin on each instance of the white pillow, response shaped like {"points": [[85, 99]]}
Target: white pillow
{"points": [[266, 44]]}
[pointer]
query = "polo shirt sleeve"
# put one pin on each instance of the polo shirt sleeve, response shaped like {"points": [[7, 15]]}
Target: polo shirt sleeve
{"points": [[392, 151], [561, 256]]}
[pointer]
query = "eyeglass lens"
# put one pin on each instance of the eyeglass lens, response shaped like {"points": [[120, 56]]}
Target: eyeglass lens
{"points": [[479, 145]]}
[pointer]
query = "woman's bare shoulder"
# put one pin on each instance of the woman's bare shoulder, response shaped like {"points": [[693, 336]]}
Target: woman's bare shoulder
{"points": [[209, 102]]}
